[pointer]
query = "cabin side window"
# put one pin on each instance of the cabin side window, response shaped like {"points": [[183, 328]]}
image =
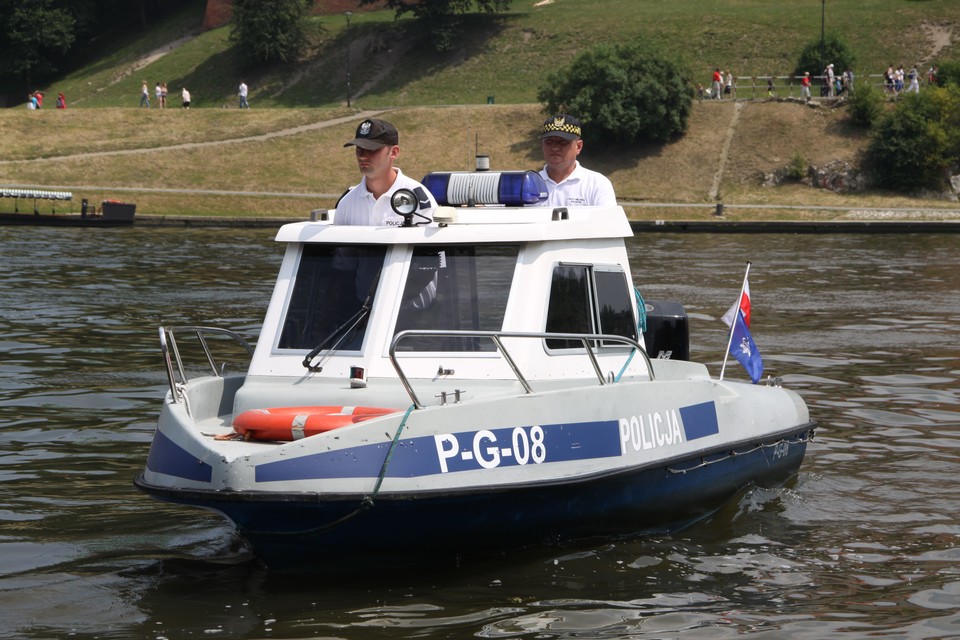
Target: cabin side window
{"points": [[456, 287], [332, 293], [589, 299]]}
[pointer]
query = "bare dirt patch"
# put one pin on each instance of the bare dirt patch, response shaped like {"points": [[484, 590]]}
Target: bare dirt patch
{"points": [[770, 134], [766, 138], [150, 58], [940, 37]]}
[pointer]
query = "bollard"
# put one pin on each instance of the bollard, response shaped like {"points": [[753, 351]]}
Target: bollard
{"points": [[719, 211]]}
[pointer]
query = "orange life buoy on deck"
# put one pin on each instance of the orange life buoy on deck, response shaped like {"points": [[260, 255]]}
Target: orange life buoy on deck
{"points": [[294, 423]]}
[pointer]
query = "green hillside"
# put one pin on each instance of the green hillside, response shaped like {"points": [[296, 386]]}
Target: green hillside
{"points": [[285, 156], [506, 56]]}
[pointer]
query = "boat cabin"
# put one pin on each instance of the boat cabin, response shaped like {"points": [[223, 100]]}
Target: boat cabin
{"points": [[437, 300]]}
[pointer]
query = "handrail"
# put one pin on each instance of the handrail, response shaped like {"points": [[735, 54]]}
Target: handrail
{"points": [[497, 336], [168, 346]]}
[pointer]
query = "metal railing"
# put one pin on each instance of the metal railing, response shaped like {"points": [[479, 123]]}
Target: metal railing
{"points": [[756, 88], [497, 336], [168, 346]]}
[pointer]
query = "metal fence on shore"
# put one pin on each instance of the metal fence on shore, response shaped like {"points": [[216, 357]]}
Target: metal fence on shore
{"points": [[757, 87]]}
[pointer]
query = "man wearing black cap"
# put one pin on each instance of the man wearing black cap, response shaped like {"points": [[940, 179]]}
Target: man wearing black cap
{"points": [[568, 182], [377, 146]]}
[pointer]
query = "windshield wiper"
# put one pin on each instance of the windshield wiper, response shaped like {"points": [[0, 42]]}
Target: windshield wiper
{"points": [[350, 326]]}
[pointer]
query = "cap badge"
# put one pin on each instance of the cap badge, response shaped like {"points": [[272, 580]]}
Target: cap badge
{"points": [[365, 127]]}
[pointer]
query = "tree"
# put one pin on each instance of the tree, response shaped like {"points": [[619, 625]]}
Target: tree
{"points": [[438, 17], [948, 72], [42, 38], [835, 51], [269, 30], [865, 104], [623, 94], [437, 8], [916, 145], [36, 33]]}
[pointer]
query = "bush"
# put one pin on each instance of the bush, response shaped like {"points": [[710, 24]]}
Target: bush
{"points": [[797, 169], [269, 30], [916, 145], [623, 94], [835, 51], [444, 20], [865, 104], [948, 73]]}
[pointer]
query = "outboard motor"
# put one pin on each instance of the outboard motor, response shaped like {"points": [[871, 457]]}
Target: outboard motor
{"points": [[668, 331]]}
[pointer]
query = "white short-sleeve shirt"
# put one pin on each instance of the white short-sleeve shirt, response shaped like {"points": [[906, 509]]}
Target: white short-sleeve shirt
{"points": [[582, 187], [359, 207]]}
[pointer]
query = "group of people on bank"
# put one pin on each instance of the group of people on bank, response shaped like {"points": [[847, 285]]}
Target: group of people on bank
{"points": [[35, 100], [160, 94], [377, 146], [833, 83]]}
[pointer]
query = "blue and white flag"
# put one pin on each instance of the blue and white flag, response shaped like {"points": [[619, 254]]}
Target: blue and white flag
{"points": [[743, 348]]}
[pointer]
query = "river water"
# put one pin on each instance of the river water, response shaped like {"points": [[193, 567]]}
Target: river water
{"points": [[862, 543]]}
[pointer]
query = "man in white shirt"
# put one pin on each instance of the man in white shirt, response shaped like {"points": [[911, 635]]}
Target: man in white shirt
{"points": [[368, 203], [568, 182], [243, 95]]}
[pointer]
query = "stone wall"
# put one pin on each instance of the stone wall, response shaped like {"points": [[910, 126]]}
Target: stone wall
{"points": [[218, 13]]}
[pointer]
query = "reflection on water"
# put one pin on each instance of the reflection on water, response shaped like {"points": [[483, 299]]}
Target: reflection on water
{"points": [[862, 543]]}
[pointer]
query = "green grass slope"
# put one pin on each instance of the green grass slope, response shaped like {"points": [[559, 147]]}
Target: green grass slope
{"points": [[285, 156], [508, 55]]}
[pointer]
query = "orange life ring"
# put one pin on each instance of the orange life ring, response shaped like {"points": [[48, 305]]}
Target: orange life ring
{"points": [[294, 423]]}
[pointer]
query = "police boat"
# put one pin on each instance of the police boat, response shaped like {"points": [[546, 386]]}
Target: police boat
{"points": [[483, 377]]}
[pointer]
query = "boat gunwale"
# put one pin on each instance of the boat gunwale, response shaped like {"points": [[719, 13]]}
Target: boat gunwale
{"points": [[232, 495]]}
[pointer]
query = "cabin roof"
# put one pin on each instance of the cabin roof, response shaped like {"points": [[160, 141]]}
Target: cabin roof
{"points": [[476, 225]]}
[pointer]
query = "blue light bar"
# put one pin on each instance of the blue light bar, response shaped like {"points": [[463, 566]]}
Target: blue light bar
{"points": [[510, 188]]}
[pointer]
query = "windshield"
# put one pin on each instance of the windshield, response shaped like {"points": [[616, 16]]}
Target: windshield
{"points": [[332, 293], [456, 287]]}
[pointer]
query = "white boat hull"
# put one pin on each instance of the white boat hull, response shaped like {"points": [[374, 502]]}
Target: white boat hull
{"points": [[552, 466]]}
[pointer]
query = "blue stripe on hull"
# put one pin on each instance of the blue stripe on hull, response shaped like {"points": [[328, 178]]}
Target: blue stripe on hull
{"points": [[296, 531], [503, 447], [169, 458]]}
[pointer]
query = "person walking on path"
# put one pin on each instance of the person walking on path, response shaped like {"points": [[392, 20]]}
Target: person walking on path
{"points": [[144, 94], [717, 83], [185, 96], [914, 78], [730, 85], [805, 87], [243, 95]]}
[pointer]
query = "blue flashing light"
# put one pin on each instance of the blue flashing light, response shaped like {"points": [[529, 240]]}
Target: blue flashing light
{"points": [[509, 188]]}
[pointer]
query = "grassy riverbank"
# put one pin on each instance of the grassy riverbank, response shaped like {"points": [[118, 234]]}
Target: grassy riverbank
{"points": [[504, 56], [285, 157], [285, 162]]}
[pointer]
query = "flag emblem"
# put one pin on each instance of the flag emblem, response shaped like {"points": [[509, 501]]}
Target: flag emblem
{"points": [[740, 344]]}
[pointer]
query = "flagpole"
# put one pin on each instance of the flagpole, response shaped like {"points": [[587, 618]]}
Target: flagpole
{"points": [[734, 323]]}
